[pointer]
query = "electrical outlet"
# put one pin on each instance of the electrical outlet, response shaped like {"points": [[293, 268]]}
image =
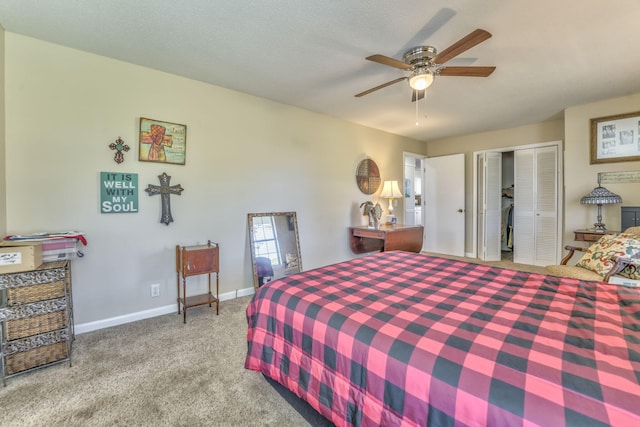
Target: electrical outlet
{"points": [[155, 290]]}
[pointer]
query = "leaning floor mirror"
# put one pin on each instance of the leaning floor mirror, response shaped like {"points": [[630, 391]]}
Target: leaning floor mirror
{"points": [[275, 246]]}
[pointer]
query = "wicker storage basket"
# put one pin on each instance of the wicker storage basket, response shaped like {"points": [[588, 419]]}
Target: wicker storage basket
{"points": [[33, 293], [27, 326], [36, 357]]}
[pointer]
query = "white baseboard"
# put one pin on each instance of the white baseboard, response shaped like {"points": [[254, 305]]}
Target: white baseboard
{"points": [[146, 314]]}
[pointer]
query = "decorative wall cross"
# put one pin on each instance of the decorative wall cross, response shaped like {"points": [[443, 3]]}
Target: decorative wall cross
{"points": [[165, 190], [119, 146]]}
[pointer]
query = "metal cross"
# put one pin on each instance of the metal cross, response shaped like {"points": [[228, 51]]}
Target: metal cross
{"points": [[119, 146], [165, 191]]}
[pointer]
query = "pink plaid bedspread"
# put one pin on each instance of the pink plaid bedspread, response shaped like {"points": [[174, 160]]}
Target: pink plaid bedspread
{"points": [[402, 339]]}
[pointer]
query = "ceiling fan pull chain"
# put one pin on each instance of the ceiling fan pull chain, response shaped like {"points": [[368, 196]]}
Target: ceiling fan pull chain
{"points": [[425, 104], [417, 108]]}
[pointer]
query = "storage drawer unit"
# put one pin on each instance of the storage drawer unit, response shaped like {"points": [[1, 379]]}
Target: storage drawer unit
{"points": [[36, 318]]}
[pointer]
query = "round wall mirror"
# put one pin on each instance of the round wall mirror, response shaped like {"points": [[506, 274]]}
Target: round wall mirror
{"points": [[368, 176]]}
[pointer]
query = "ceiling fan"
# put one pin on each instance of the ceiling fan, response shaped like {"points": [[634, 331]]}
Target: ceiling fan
{"points": [[425, 63]]}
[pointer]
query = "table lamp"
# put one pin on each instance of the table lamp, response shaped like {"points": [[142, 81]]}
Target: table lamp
{"points": [[600, 196], [390, 190]]}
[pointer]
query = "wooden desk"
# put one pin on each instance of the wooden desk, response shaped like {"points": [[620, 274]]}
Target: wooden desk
{"points": [[590, 235], [386, 238]]}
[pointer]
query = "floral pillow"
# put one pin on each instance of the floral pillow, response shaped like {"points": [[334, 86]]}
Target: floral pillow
{"points": [[599, 257]]}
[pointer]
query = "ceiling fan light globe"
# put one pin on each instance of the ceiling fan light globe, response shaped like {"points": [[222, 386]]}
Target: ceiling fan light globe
{"points": [[421, 81]]}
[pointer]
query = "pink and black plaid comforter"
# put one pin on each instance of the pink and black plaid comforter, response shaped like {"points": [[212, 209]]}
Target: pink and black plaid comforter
{"points": [[398, 338]]}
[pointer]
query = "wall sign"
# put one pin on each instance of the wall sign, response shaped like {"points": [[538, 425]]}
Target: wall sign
{"points": [[118, 192], [618, 177]]}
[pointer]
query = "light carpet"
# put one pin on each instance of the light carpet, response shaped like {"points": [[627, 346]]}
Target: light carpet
{"points": [[155, 372]]}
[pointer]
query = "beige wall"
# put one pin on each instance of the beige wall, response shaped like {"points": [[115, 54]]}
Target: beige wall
{"points": [[504, 138], [581, 177], [244, 154]]}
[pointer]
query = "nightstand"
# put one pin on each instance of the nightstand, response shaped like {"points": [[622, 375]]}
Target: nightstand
{"points": [[193, 261], [590, 235]]}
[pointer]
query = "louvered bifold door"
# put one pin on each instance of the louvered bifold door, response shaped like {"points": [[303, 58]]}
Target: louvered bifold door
{"points": [[524, 206], [535, 203], [492, 171], [546, 198]]}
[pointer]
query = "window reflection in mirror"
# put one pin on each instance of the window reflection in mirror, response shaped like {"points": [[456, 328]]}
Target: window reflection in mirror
{"points": [[275, 246]]}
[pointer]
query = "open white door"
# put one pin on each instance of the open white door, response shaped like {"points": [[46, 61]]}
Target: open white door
{"points": [[489, 206], [413, 171], [444, 218]]}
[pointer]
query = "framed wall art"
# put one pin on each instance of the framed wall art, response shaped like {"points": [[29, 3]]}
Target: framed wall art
{"points": [[163, 142], [615, 138], [368, 176]]}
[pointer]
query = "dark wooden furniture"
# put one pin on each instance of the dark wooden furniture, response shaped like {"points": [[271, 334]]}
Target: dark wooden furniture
{"points": [[630, 216], [194, 261], [36, 318], [590, 235], [386, 238]]}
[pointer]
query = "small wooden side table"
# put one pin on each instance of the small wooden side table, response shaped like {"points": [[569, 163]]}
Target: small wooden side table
{"points": [[193, 261], [386, 238], [590, 235]]}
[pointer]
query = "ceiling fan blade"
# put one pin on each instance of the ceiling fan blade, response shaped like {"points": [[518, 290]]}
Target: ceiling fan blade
{"points": [[417, 95], [385, 60], [373, 89], [466, 71], [465, 43]]}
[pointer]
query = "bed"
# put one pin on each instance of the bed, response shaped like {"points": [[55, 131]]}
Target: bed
{"points": [[403, 339]]}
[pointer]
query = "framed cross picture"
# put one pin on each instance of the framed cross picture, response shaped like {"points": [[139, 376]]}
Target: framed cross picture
{"points": [[163, 142]]}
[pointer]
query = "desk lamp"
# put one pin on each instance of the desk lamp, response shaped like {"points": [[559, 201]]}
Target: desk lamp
{"points": [[390, 190]]}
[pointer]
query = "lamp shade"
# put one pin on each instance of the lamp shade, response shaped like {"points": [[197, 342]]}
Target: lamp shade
{"points": [[600, 196], [390, 190]]}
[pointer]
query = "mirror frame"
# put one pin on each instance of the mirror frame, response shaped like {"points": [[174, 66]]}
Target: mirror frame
{"points": [[294, 221]]}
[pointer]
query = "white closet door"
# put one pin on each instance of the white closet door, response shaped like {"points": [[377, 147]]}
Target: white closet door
{"points": [[546, 205], [490, 215], [535, 213], [524, 206]]}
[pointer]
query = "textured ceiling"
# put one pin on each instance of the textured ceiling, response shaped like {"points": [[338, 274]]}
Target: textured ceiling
{"points": [[549, 54]]}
